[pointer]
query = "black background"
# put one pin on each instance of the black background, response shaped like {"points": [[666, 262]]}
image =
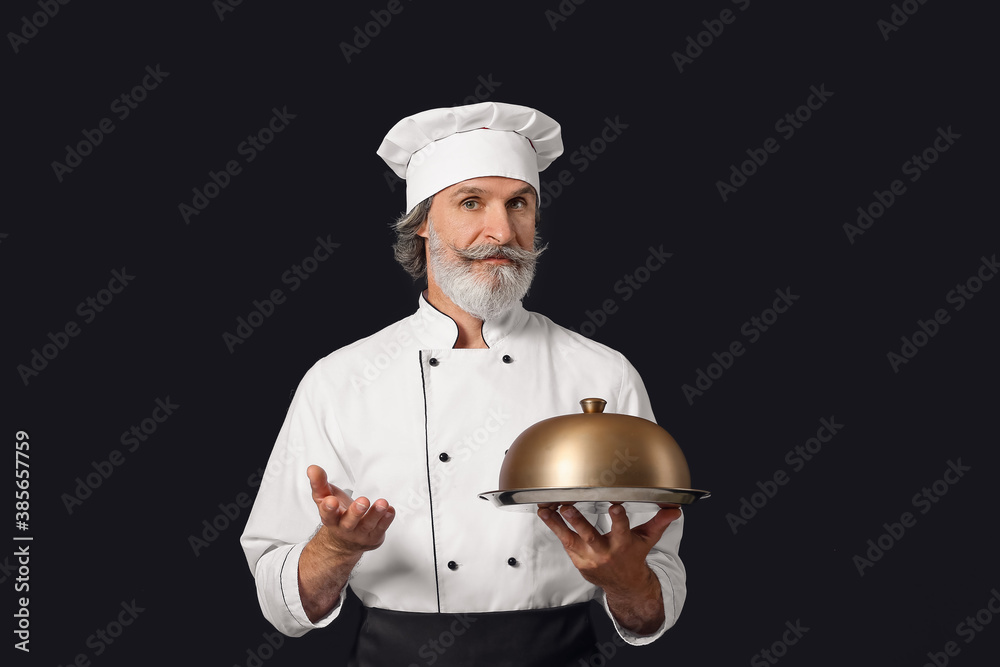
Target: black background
{"points": [[654, 186]]}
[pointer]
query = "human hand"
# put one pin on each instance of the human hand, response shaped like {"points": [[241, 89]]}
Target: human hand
{"points": [[615, 561], [350, 526]]}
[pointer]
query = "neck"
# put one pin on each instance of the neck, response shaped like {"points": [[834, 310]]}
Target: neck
{"points": [[470, 328]]}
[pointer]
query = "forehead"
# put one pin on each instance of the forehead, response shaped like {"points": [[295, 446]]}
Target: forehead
{"points": [[489, 186]]}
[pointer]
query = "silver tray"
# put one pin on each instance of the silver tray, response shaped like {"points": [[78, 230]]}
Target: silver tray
{"points": [[593, 499]]}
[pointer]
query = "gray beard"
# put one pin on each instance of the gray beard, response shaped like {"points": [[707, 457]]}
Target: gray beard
{"points": [[484, 291]]}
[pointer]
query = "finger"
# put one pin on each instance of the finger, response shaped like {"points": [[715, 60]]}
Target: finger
{"points": [[355, 512], [330, 510], [318, 482], [329, 505], [619, 524], [651, 531], [385, 521], [372, 517], [580, 524], [555, 523], [322, 489]]}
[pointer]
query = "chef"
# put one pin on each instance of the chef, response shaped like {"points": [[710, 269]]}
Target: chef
{"points": [[418, 417]]}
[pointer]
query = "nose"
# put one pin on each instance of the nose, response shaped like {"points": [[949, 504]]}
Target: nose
{"points": [[498, 227]]}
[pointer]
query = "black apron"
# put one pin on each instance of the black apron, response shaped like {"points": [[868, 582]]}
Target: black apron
{"points": [[557, 637]]}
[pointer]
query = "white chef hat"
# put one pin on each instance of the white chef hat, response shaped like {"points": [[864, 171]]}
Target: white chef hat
{"points": [[440, 147]]}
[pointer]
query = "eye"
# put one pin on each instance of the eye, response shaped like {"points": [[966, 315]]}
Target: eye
{"points": [[518, 204], [470, 204]]}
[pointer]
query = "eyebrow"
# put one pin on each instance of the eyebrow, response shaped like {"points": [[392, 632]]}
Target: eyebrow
{"points": [[473, 190], [468, 190]]}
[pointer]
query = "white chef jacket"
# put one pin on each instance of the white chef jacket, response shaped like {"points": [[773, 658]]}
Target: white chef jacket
{"points": [[401, 415]]}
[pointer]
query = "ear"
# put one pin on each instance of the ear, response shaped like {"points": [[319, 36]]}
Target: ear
{"points": [[423, 229]]}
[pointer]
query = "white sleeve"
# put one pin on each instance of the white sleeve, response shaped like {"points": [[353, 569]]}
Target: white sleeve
{"points": [[664, 558], [665, 562], [284, 517]]}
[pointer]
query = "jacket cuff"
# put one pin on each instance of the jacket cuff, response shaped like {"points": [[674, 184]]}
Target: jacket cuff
{"points": [[290, 593], [669, 617]]}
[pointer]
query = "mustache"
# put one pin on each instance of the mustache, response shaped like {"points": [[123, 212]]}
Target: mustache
{"points": [[518, 256]]}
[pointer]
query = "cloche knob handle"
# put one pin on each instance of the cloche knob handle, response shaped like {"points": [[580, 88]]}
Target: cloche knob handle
{"points": [[593, 405]]}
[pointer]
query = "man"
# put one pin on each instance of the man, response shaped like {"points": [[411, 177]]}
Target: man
{"points": [[420, 415]]}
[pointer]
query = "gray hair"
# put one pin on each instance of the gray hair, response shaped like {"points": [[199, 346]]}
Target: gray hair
{"points": [[409, 248]]}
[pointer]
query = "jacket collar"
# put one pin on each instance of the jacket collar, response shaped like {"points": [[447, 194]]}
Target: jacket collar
{"points": [[436, 330]]}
